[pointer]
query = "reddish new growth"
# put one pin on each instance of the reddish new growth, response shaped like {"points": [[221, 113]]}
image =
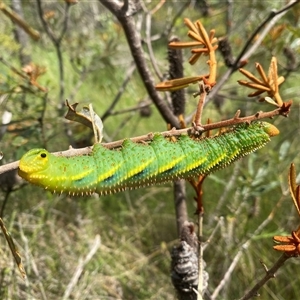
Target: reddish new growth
{"points": [[291, 244]]}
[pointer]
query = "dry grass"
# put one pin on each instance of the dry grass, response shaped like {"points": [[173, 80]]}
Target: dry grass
{"points": [[72, 251]]}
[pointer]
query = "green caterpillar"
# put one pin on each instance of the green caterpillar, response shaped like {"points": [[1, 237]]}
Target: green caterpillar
{"points": [[136, 164]]}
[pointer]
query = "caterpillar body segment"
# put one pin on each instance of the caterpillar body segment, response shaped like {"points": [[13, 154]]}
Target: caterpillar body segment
{"points": [[138, 164]]}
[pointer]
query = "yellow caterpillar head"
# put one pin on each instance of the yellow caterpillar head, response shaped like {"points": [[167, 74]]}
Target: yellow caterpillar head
{"points": [[270, 129], [33, 162]]}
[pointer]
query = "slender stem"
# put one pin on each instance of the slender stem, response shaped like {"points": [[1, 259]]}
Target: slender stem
{"points": [[180, 203], [200, 256], [269, 275], [170, 26], [200, 105], [7, 193], [227, 276], [18, 19], [150, 48], [121, 90]]}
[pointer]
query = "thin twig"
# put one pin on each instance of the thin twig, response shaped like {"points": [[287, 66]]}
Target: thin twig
{"points": [[269, 275], [230, 184], [169, 27], [30, 86], [200, 105], [150, 49], [17, 19], [66, 22], [200, 256], [244, 247], [229, 16], [121, 90], [219, 223], [14, 250], [137, 107], [7, 193], [180, 203], [80, 268], [148, 36]]}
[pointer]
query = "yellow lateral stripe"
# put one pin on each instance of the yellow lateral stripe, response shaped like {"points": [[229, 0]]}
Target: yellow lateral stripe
{"points": [[109, 173], [65, 177], [80, 175], [140, 168], [217, 160], [171, 164], [196, 164]]}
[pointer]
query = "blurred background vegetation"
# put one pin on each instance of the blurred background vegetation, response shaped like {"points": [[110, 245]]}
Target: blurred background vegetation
{"points": [[87, 60]]}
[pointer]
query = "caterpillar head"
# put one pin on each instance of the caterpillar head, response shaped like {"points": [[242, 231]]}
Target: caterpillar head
{"points": [[270, 129], [33, 162]]}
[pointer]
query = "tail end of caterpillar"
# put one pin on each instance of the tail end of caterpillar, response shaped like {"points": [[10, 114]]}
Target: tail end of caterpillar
{"points": [[271, 130]]}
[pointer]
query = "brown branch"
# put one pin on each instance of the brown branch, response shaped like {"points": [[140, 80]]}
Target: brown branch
{"points": [[200, 256], [198, 116], [178, 103], [34, 34], [180, 203]]}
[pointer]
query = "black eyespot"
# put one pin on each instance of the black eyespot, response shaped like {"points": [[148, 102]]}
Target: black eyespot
{"points": [[43, 155]]}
